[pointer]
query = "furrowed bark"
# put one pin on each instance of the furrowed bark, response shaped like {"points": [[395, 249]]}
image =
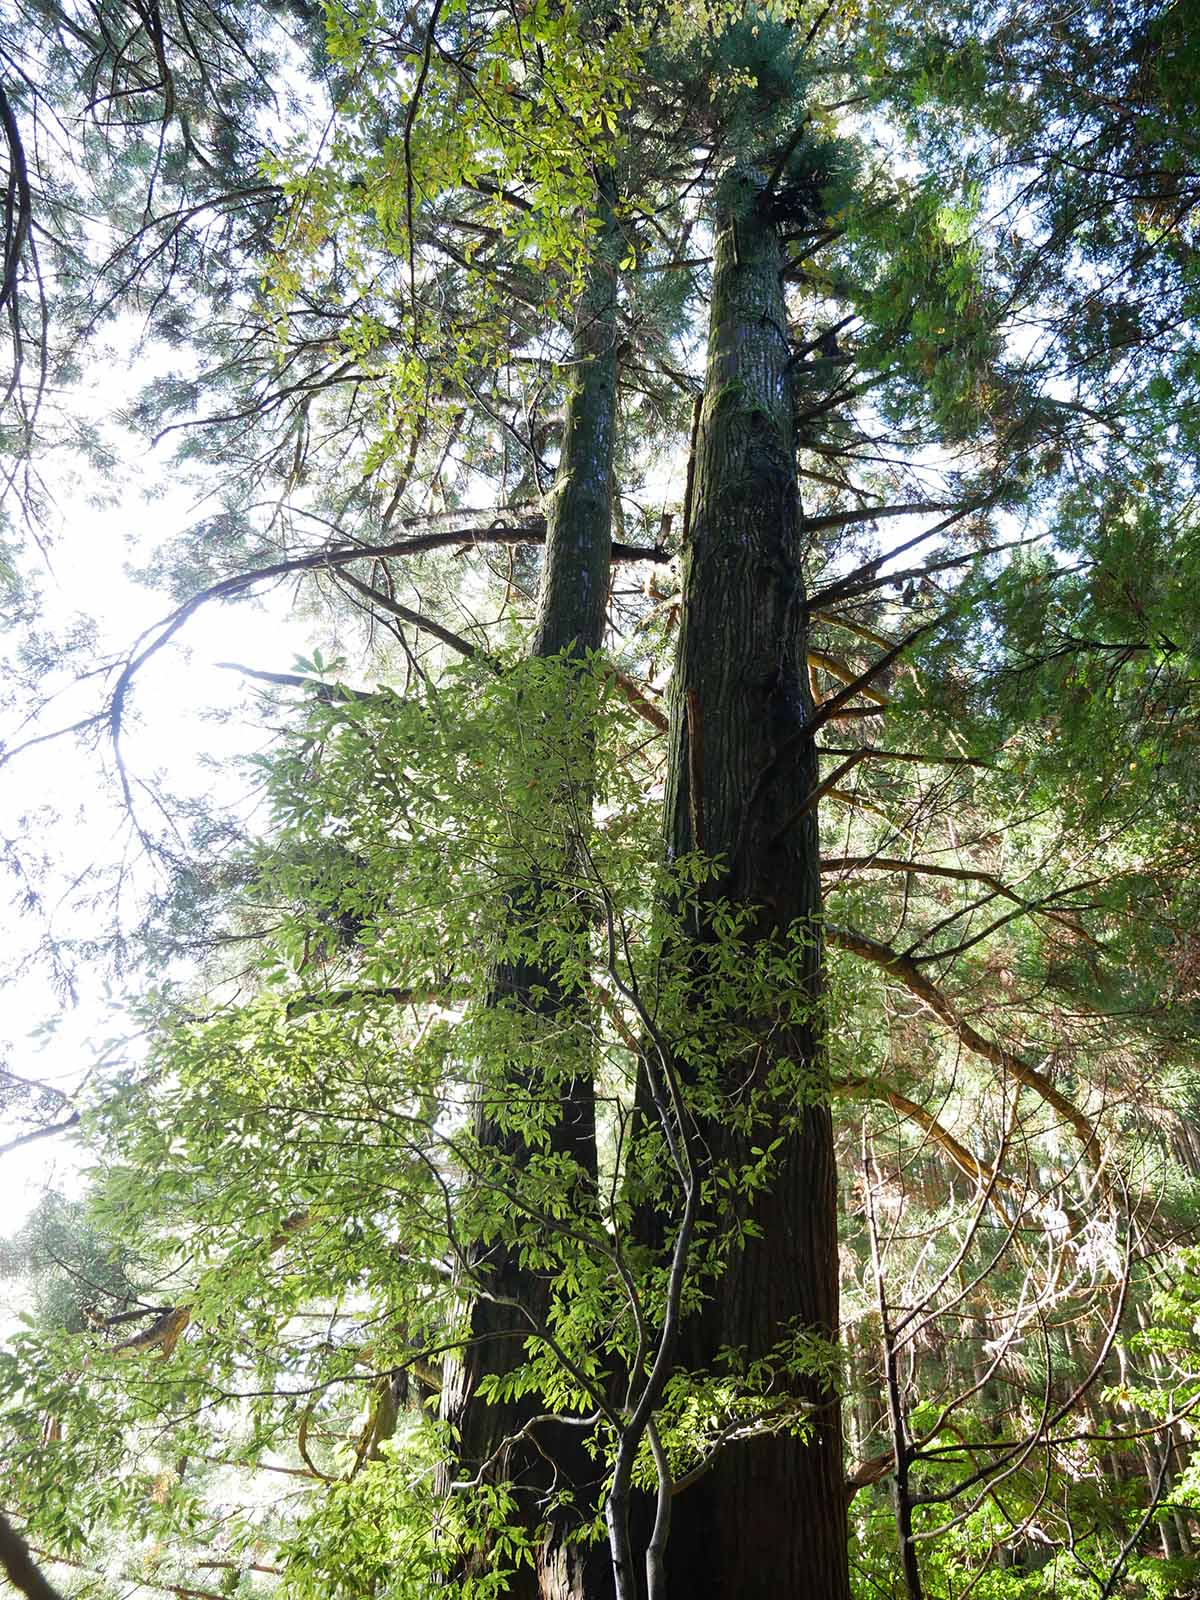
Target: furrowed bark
{"points": [[769, 1517], [574, 594]]}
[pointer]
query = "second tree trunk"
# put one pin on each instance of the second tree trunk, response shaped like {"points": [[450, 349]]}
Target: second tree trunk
{"points": [[769, 1517]]}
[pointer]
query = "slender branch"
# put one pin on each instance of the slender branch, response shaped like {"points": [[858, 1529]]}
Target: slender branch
{"points": [[846, 519], [859, 1088], [23, 1139], [904, 968], [858, 583], [901, 1444], [859, 685], [417, 619], [327, 692], [818, 792], [18, 203], [831, 708], [865, 577], [304, 1004], [918, 758], [1143, 1522], [837, 668]]}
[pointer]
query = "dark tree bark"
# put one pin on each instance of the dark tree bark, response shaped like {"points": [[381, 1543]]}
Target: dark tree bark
{"points": [[769, 1517], [571, 621], [19, 1566]]}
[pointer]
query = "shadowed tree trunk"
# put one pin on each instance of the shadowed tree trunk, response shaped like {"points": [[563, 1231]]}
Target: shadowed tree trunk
{"points": [[769, 1517], [571, 621]]}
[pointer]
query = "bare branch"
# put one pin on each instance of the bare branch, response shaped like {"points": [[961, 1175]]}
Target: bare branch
{"points": [[904, 968], [859, 1088], [32, 1137]]}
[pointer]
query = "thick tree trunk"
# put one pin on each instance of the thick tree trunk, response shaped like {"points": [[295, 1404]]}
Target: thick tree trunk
{"points": [[574, 597], [769, 1518]]}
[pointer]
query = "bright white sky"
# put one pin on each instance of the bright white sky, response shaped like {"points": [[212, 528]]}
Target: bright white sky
{"points": [[168, 733]]}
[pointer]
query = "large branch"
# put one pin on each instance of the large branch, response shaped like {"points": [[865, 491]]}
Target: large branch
{"points": [[44, 1591], [330, 558], [873, 1470], [906, 970], [632, 693], [859, 1088]]}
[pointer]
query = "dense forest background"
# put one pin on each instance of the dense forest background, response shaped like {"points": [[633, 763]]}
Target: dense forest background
{"points": [[657, 1058]]}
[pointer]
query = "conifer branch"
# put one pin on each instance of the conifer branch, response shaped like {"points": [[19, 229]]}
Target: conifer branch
{"points": [[1024, 1071]]}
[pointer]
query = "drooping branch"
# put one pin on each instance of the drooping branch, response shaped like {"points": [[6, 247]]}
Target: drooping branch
{"points": [[417, 619], [906, 970], [241, 583], [860, 1088]]}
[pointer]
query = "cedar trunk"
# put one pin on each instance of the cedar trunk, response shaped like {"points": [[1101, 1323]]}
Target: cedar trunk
{"points": [[571, 620], [769, 1518]]}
